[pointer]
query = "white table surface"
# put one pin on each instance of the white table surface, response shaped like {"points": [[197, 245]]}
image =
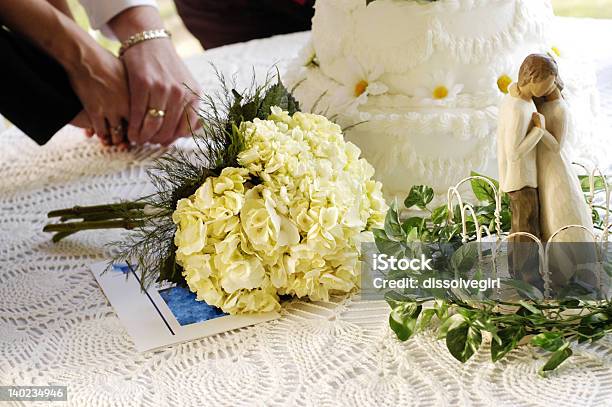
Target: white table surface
{"points": [[56, 327]]}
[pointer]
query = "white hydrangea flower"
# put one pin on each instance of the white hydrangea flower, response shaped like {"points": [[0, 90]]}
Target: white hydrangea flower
{"points": [[288, 221]]}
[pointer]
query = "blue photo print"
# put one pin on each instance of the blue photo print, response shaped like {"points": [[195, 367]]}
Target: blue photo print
{"points": [[183, 303], [186, 309]]}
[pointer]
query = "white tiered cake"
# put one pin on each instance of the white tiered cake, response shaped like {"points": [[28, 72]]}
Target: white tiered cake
{"points": [[419, 82]]}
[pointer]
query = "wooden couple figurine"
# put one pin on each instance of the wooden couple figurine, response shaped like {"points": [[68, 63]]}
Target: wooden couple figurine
{"points": [[545, 193]]}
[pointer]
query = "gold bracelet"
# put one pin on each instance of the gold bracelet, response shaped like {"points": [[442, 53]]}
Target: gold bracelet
{"points": [[143, 36]]}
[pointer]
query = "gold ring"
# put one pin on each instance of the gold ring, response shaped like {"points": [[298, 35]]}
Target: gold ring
{"points": [[157, 113], [116, 130]]}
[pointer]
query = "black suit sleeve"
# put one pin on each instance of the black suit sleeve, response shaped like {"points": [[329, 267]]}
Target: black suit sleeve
{"points": [[35, 93]]}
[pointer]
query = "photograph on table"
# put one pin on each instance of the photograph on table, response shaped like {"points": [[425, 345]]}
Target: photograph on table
{"points": [[164, 314]]}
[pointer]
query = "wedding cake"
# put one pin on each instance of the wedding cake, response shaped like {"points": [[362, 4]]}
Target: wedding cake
{"points": [[417, 84]]}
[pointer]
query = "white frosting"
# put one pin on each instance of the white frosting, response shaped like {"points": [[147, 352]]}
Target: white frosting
{"points": [[405, 55]]}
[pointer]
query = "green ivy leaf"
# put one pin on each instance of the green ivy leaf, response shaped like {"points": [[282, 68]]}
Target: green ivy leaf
{"points": [[529, 307], [509, 338], [524, 288], [482, 189], [590, 333], [414, 223], [395, 298], [608, 269], [449, 324], [403, 319], [441, 309], [570, 302], [451, 232], [596, 217], [412, 236], [550, 341], [426, 317], [556, 359], [506, 217], [593, 319], [465, 257], [467, 313], [420, 196], [439, 215], [386, 245], [393, 227], [463, 341], [600, 183]]}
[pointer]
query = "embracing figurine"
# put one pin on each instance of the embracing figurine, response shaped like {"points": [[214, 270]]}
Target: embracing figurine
{"points": [[545, 193]]}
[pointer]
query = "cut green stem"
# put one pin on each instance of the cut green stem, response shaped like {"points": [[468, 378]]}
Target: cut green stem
{"points": [[73, 227], [133, 214], [79, 211], [61, 235]]}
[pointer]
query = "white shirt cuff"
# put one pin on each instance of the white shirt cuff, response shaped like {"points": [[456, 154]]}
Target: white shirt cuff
{"points": [[100, 12]]}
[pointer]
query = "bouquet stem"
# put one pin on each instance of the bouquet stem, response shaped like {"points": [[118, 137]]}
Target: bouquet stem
{"points": [[83, 210], [127, 215]]}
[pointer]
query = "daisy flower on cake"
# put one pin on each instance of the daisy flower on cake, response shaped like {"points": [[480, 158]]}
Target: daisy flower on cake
{"points": [[440, 88], [358, 83]]}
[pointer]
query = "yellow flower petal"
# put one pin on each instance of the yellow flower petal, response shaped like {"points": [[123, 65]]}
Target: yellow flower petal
{"points": [[556, 51], [503, 83], [440, 92], [361, 87]]}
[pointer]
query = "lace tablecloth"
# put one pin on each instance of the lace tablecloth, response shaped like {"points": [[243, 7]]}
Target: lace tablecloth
{"points": [[56, 326]]}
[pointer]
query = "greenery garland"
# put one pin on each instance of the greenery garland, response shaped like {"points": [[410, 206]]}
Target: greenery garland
{"points": [[549, 325]]}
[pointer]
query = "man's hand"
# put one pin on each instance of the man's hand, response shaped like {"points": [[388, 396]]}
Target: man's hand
{"points": [[82, 121], [97, 77], [539, 120], [100, 82], [158, 79]]}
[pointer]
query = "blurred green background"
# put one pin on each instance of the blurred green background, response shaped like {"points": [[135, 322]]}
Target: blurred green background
{"points": [[584, 8], [187, 45]]}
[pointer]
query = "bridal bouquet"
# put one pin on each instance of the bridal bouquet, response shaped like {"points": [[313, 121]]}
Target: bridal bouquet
{"points": [[273, 202]]}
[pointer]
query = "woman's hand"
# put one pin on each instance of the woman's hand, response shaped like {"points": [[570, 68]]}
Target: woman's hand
{"points": [[158, 79]]}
